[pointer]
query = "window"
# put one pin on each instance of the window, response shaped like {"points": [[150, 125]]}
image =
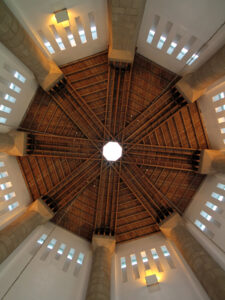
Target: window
{"points": [[154, 254], [60, 43], [3, 174], [218, 97], [81, 31], [182, 53], [20, 77], [150, 36], [93, 26], [144, 257], [200, 225], [220, 108], [165, 251], [222, 130], [205, 215], [171, 48], [13, 206], [211, 206], [221, 120], [42, 239], [161, 41], [133, 259], [14, 87], [123, 262], [80, 258], [49, 47], [9, 196], [61, 249], [5, 109], [51, 245], [192, 59], [71, 40], [82, 36], [2, 164], [6, 185], [9, 98], [71, 254], [3, 120], [217, 196], [221, 186]]}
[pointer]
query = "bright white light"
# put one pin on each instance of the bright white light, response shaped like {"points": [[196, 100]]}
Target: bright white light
{"points": [[112, 151]]}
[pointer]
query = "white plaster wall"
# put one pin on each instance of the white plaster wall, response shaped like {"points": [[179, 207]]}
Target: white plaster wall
{"points": [[18, 186], [199, 18], [178, 283], [24, 276], [209, 115], [198, 203], [38, 15], [28, 88]]}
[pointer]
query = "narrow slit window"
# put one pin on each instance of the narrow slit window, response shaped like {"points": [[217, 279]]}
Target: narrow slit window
{"points": [[220, 108], [192, 59], [3, 174], [172, 47], [5, 109], [220, 185], [61, 249], [133, 259], [70, 36], [165, 251], [123, 262], [13, 206], [5, 185], [51, 245], [150, 36], [161, 41], [81, 31], [152, 29], [57, 38], [14, 88], [182, 53], [42, 239], [134, 266], [9, 196], [19, 76], [211, 206], [49, 47], [2, 164], [218, 97], [144, 257], [217, 196], [3, 120], [154, 254], [9, 98], [93, 26], [205, 215], [222, 130], [199, 224], [80, 258], [71, 254], [221, 120]]}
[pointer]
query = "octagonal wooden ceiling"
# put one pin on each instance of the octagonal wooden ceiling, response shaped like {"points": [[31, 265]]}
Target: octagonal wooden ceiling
{"points": [[138, 107]]}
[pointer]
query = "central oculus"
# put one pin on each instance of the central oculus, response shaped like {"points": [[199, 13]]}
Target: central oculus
{"points": [[112, 151]]}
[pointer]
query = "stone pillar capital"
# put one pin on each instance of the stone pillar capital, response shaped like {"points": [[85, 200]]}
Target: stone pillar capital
{"points": [[212, 161], [105, 241], [41, 207]]}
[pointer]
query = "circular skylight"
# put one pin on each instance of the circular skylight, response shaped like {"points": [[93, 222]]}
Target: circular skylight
{"points": [[112, 151]]}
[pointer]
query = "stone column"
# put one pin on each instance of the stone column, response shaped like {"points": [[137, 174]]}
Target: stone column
{"points": [[14, 234], [193, 85], [212, 161], [124, 23], [208, 272], [13, 143], [100, 277], [17, 40]]}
